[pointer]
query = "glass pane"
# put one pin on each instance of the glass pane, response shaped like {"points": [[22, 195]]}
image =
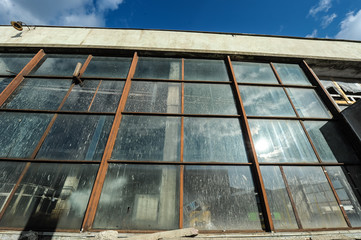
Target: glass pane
{"points": [[139, 197], [220, 198], [345, 194], [108, 96], [307, 103], [20, 133], [148, 138], [281, 141], [265, 101], [315, 203], [42, 94], [12, 64], [330, 142], [50, 197], [4, 82], [254, 72], [213, 140], [159, 68], [291, 74], [116, 67], [209, 99], [154, 97], [354, 172], [10, 172], [59, 65], [278, 199], [76, 137], [80, 98], [207, 70]]}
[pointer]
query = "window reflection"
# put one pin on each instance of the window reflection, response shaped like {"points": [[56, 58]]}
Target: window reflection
{"points": [[139, 197], [291, 74], [50, 198], [220, 197], [58, 65], [12, 64], [158, 68], [116, 67], [207, 70], [248, 72]]}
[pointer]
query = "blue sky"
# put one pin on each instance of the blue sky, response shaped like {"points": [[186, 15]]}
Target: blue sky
{"points": [[318, 18]]}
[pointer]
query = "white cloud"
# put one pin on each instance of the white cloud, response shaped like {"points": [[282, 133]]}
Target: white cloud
{"points": [[322, 6], [63, 13], [351, 27], [312, 35], [327, 20]]}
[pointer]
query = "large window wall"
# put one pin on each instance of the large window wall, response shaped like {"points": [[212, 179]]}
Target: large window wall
{"points": [[155, 143]]}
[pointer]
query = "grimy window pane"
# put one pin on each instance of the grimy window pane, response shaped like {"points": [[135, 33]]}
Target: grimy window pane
{"points": [[10, 172], [220, 198], [148, 138], [247, 72], [144, 197], [281, 141], [355, 175], [59, 65], [315, 203], [20, 133], [213, 140], [50, 198], [307, 103], [108, 96], [207, 70], [154, 97], [159, 68], [330, 142], [76, 137], [345, 194], [266, 101], [278, 199], [42, 94], [12, 64], [4, 82], [116, 67], [209, 99], [291, 74]]}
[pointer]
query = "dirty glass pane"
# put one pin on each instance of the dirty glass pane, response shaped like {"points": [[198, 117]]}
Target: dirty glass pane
{"points": [[116, 67], [4, 82], [220, 198], [159, 68], [266, 101], [148, 138], [281, 141], [20, 133], [10, 172], [307, 103], [345, 194], [143, 197], [330, 142], [278, 199], [80, 98], [42, 94], [213, 140], [12, 64], [207, 70], [108, 96], [315, 203], [50, 198], [291, 74], [59, 65], [209, 99], [354, 172], [248, 72], [76, 137], [154, 97]]}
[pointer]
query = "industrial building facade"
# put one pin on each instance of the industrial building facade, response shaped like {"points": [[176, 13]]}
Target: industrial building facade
{"points": [[147, 139]]}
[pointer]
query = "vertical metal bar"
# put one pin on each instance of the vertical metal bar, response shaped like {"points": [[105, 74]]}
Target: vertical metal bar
{"points": [[181, 180], [100, 178], [314, 150], [20, 77], [252, 152], [298, 220]]}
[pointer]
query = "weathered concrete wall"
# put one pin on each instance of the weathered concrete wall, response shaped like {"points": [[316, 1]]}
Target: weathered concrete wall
{"points": [[181, 41]]}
